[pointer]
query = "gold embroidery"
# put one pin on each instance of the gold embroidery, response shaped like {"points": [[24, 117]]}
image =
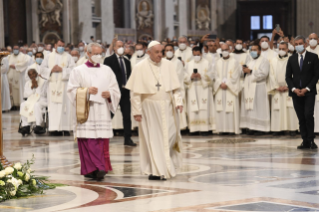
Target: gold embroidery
{"points": [[193, 102], [230, 103], [204, 101], [251, 100], [219, 102], [59, 93], [53, 93]]}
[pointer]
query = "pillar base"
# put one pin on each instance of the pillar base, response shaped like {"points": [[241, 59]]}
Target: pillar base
{"points": [[5, 163]]}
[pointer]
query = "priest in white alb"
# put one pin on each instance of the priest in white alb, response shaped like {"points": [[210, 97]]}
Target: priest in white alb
{"points": [[139, 55], [104, 95], [254, 102], [56, 68], [226, 89], [200, 103], [156, 101], [184, 51], [5, 88], [283, 115]]}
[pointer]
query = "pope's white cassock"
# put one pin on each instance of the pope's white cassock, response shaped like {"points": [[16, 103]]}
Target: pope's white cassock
{"points": [[316, 112], [16, 76], [186, 54], [200, 102], [181, 75], [5, 88], [155, 94], [283, 115], [226, 101], [60, 116], [254, 102]]}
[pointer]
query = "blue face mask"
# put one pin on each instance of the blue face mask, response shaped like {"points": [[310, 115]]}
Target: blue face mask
{"points": [[38, 60], [60, 49], [249, 48], [15, 51], [300, 48], [30, 54], [253, 54]]}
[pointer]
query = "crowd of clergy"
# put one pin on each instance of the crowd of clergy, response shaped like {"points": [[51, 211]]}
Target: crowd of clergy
{"points": [[228, 86]]}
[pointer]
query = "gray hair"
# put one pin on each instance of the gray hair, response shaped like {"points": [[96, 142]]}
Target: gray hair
{"points": [[89, 48], [76, 50], [183, 36], [299, 37], [284, 43]]}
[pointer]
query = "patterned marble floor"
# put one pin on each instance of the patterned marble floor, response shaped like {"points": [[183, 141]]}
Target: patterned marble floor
{"points": [[266, 174]]}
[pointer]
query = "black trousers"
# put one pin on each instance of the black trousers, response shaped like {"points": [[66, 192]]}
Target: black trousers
{"points": [[304, 107], [125, 104]]}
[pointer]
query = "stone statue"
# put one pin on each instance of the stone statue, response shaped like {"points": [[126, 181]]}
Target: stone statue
{"points": [[144, 16], [50, 11], [203, 17]]}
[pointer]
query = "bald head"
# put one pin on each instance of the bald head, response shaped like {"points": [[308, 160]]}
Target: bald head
{"points": [[313, 36], [225, 47]]}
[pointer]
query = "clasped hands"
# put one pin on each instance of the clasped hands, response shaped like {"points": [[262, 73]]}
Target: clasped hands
{"points": [[196, 76], [282, 89], [246, 70], [300, 92], [56, 68], [94, 90], [138, 118], [34, 84]]}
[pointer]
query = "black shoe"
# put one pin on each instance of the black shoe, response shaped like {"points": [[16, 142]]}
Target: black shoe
{"points": [[293, 133], [204, 134], [39, 130], [56, 133], [100, 174], [277, 133], [66, 133], [153, 177], [24, 130], [129, 142], [91, 175], [304, 145], [258, 133], [313, 145], [250, 132]]}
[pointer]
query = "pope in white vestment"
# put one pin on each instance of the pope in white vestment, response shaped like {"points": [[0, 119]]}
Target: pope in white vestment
{"points": [[226, 89], [5, 88], [56, 68], [155, 98], [254, 102], [18, 63], [200, 103], [283, 115]]}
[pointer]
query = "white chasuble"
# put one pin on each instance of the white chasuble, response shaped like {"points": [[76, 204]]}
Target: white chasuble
{"points": [[283, 115], [254, 102], [60, 115], [5, 87], [155, 97], [186, 54], [99, 123], [226, 101], [200, 103], [16, 76], [242, 59]]}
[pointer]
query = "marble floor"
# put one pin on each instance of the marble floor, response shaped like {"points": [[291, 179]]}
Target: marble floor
{"points": [[258, 174]]}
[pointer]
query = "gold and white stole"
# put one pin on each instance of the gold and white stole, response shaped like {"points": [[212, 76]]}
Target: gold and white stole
{"points": [[230, 98], [28, 109], [56, 85], [250, 90]]}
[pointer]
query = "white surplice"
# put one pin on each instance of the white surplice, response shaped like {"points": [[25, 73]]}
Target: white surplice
{"points": [[135, 59], [200, 102], [60, 112], [283, 115], [254, 101], [5, 88], [226, 101], [99, 124], [186, 54], [316, 111], [159, 134], [16, 76]]}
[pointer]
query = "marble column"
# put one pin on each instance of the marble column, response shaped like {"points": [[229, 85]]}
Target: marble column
{"points": [[133, 12], [2, 44], [127, 14], [35, 21], [107, 21], [182, 17], [193, 14], [159, 19], [213, 9], [169, 19], [28, 9], [85, 20], [66, 21]]}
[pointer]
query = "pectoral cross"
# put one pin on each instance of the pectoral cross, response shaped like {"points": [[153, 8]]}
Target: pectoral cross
{"points": [[158, 86]]}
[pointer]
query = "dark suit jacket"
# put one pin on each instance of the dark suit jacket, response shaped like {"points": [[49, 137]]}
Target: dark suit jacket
{"points": [[309, 75], [113, 63]]}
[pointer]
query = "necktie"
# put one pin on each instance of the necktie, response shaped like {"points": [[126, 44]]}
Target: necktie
{"points": [[301, 63], [123, 71]]}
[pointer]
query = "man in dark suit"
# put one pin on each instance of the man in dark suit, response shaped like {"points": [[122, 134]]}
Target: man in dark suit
{"points": [[122, 69], [302, 75]]}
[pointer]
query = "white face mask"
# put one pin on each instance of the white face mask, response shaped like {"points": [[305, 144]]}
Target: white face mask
{"points": [[40, 49], [197, 58], [182, 46], [139, 53], [169, 54], [96, 59], [239, 47], [282, 53], [245, 50], [264, 45], [225, 53], [75, 59], [120, 51], [34, 51], [81, 48], [291, 47], [230, 48], [313, 43]]}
